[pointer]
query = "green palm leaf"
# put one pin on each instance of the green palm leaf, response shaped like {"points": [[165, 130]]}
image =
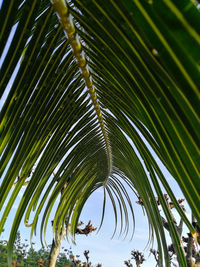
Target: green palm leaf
{"points": [[83, 88]]}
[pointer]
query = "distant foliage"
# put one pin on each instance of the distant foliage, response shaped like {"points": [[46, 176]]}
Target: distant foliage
{"points": [[26, 256]]}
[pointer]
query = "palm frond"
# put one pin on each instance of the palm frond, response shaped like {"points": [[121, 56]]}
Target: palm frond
{"points": [[83, 88]]}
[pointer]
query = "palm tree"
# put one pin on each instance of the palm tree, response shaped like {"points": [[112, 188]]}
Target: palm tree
{"points": [[98, 87]]}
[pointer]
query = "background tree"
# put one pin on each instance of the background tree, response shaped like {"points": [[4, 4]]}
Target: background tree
{"points": [[137, 256], [189, 244], [59, 236]]}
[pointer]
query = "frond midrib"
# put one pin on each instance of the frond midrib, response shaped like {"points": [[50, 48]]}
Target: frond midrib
{"points": [[67, 24]]}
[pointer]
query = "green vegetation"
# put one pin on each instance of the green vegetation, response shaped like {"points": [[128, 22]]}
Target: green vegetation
{"points": [[96, 92], [24, 255]]}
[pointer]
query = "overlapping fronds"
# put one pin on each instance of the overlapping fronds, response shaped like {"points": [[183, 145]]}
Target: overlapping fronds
{"points": [[83, 84]]}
